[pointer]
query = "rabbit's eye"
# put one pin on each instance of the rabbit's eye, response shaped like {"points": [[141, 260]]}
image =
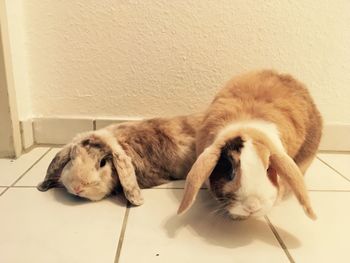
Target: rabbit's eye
{"points": [[227, 169], [103, 162], [224, 169]]}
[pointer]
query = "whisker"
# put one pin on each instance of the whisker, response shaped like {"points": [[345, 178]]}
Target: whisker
{"points": [[221, 209]]}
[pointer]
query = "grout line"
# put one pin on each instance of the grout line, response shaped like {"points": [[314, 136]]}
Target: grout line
{"points": [[322, 190], [94, 124], [24, 173], [176, 188], [19, 178], [28, 149], [333, 151], [23, 186], [279, 239], [53, 145], [164, 188], [3, 191], [122, 233], [334, 169]]}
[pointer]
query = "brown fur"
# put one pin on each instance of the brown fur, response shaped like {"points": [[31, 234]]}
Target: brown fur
{"points": [[271, 97], [128, 156], [55, 169], [160, 149]]}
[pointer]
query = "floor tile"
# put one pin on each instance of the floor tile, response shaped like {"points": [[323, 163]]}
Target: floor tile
{"points": [[154, 233], [320, 177], [178, 184], [171, 185], [323, 240], [11, 170], [57, 227], [37, 174], [340, 162]]}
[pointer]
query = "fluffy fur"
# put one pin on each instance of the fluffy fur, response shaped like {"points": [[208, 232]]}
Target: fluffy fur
{"points": [[265, 129], [129, 156]]}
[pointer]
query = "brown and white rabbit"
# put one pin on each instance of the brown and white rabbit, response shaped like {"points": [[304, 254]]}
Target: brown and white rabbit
{"points": [[257, 139], [132, 155]]}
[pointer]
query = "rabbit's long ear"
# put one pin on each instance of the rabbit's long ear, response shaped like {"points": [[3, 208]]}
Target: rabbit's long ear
{"points": [[286, 168], [55, 168], [125, 169], [123, 165], [290, 172], [199, 172], [127, 176]]}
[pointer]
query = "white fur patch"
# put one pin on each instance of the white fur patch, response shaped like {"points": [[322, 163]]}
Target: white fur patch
{"points": [[257, 194]]}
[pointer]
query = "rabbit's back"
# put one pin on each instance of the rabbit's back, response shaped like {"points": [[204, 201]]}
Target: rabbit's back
{"points": [[161, 149], [269, 96]]}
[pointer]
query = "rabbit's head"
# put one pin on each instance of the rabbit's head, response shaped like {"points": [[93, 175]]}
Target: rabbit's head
{"points": [[243, 168], [92, 166]]}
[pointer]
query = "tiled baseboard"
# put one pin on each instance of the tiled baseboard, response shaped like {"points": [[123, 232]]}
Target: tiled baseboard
{"points": [[60, 130], [336, 136]]}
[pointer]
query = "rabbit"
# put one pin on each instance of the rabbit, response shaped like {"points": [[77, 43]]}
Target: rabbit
{"points": [[127, 156], [255, 143]]}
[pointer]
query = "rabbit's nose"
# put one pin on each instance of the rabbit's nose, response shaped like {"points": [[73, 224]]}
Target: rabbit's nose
{"points": [[77, 189], [252, 204]]}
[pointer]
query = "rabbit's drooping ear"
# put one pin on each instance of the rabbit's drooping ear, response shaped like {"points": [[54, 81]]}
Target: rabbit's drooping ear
{"points": [[199, 172], [287, 169], [290, 172], [125, 169], [127, 177], [55, 168]]}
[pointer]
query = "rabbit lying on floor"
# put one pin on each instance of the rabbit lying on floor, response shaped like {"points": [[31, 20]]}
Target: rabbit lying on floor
{"points": [[257, 139], [129, 155]]}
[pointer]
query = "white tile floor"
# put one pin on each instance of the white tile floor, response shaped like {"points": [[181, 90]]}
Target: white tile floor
{"points": [[57, 227]]}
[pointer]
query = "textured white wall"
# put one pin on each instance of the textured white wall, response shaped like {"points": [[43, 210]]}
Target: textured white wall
{"points": [[160, 57]]}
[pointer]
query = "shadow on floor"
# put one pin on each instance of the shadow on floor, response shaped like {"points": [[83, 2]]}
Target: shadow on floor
{"points": [[62, 196], [203, 220]]}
